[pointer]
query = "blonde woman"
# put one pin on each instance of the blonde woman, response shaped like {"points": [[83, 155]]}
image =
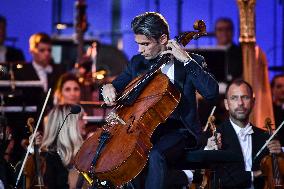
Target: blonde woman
{"points": [[59, 150]]}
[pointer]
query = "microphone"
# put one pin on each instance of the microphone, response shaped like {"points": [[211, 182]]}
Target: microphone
{"points": [[75, 109]]}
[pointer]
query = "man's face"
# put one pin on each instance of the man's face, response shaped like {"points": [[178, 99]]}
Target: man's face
{"points": [[42, 54], [2, 33], [278, 90], [239, 102], [224, 33], [149, 47]]}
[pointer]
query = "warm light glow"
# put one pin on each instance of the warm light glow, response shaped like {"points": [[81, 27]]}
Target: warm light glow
{"points": [[61, 26], [81, 79], [19, 66], [100, 76]]}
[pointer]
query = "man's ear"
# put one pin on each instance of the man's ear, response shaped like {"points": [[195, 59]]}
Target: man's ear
{"points": [[163, 39], [253, 101], [226, 104]]}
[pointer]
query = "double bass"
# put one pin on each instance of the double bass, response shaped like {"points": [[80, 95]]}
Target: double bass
{"points": [[119, 151], [272, 166]]}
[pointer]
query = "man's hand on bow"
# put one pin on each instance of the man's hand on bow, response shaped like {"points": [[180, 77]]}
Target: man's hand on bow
{"points": [[274, 147], [177, 51]]}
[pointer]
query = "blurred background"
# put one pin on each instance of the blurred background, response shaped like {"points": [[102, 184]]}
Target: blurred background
{"points": [[109, 21]]}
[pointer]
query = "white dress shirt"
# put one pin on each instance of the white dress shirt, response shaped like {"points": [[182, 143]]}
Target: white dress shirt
{"points": [[169, 69], [42, 74], [246, 145]]}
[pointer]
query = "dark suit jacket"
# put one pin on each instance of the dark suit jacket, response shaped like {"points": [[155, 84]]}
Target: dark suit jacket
{"points": [[29, 73], [188, 79], [234, 175], [56, 174], [14, 54]]}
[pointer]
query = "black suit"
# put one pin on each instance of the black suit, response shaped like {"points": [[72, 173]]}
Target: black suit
{"points": [[234, 175], [279, 117], [169, 138], [14, 54], [188, 79], [28, 72]]}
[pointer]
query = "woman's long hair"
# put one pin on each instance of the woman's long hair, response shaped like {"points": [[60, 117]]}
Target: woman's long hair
{"points": [[69, 139]]}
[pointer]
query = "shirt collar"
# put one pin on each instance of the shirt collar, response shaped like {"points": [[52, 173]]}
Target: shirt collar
{"points": [[238, 128], [38, 67]]}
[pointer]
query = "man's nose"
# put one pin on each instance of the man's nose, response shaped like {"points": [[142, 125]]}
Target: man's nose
{"points": [[240, 101]]}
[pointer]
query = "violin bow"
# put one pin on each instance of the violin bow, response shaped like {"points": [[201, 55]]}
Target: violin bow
{"points": [[33, 137], [211, 114], [270, 138]]}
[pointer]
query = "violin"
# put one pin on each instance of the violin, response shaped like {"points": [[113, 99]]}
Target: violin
{"points": [[272, 166], [35, 166], [206, 179], [118, 152]]}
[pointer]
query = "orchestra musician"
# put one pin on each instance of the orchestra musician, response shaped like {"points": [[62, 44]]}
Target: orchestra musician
{"points": [[60, 149], [238, 135], [188, 73], [42, 67], [277, 88], [67, 90]]}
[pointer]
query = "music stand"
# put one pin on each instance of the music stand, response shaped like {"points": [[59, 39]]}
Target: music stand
{"points": [[216, 59], [208, 159]]}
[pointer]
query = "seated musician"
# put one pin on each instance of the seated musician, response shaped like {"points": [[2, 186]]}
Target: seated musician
{"points": [[42, 67], [187, 72], [59, 151], [67, 92], [239, 136], [277, 88]]}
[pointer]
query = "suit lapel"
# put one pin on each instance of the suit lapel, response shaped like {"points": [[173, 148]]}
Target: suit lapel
{"points": [[231, 141], [179, 74]]}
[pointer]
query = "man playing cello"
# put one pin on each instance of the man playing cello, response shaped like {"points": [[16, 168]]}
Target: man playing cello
{"points": [[187, 72]]}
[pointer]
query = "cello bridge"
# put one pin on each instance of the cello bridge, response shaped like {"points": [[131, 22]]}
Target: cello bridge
{"points": [[112, 119]]}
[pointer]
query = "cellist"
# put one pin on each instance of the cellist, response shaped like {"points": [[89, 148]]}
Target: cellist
{"points": [[238, 135], [188, 73]]}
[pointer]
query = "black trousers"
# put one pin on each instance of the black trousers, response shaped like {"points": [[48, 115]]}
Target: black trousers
{"points": [[169, 143]]}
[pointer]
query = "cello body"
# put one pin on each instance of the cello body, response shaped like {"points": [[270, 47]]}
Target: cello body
{"points": [[126, 152]]}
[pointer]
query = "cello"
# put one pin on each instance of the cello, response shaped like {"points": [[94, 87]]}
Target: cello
{"points": [[119, 151], [272, 166]]}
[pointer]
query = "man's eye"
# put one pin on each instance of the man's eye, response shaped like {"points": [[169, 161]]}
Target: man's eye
{"points": [[234, 98], [246, 97]]}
